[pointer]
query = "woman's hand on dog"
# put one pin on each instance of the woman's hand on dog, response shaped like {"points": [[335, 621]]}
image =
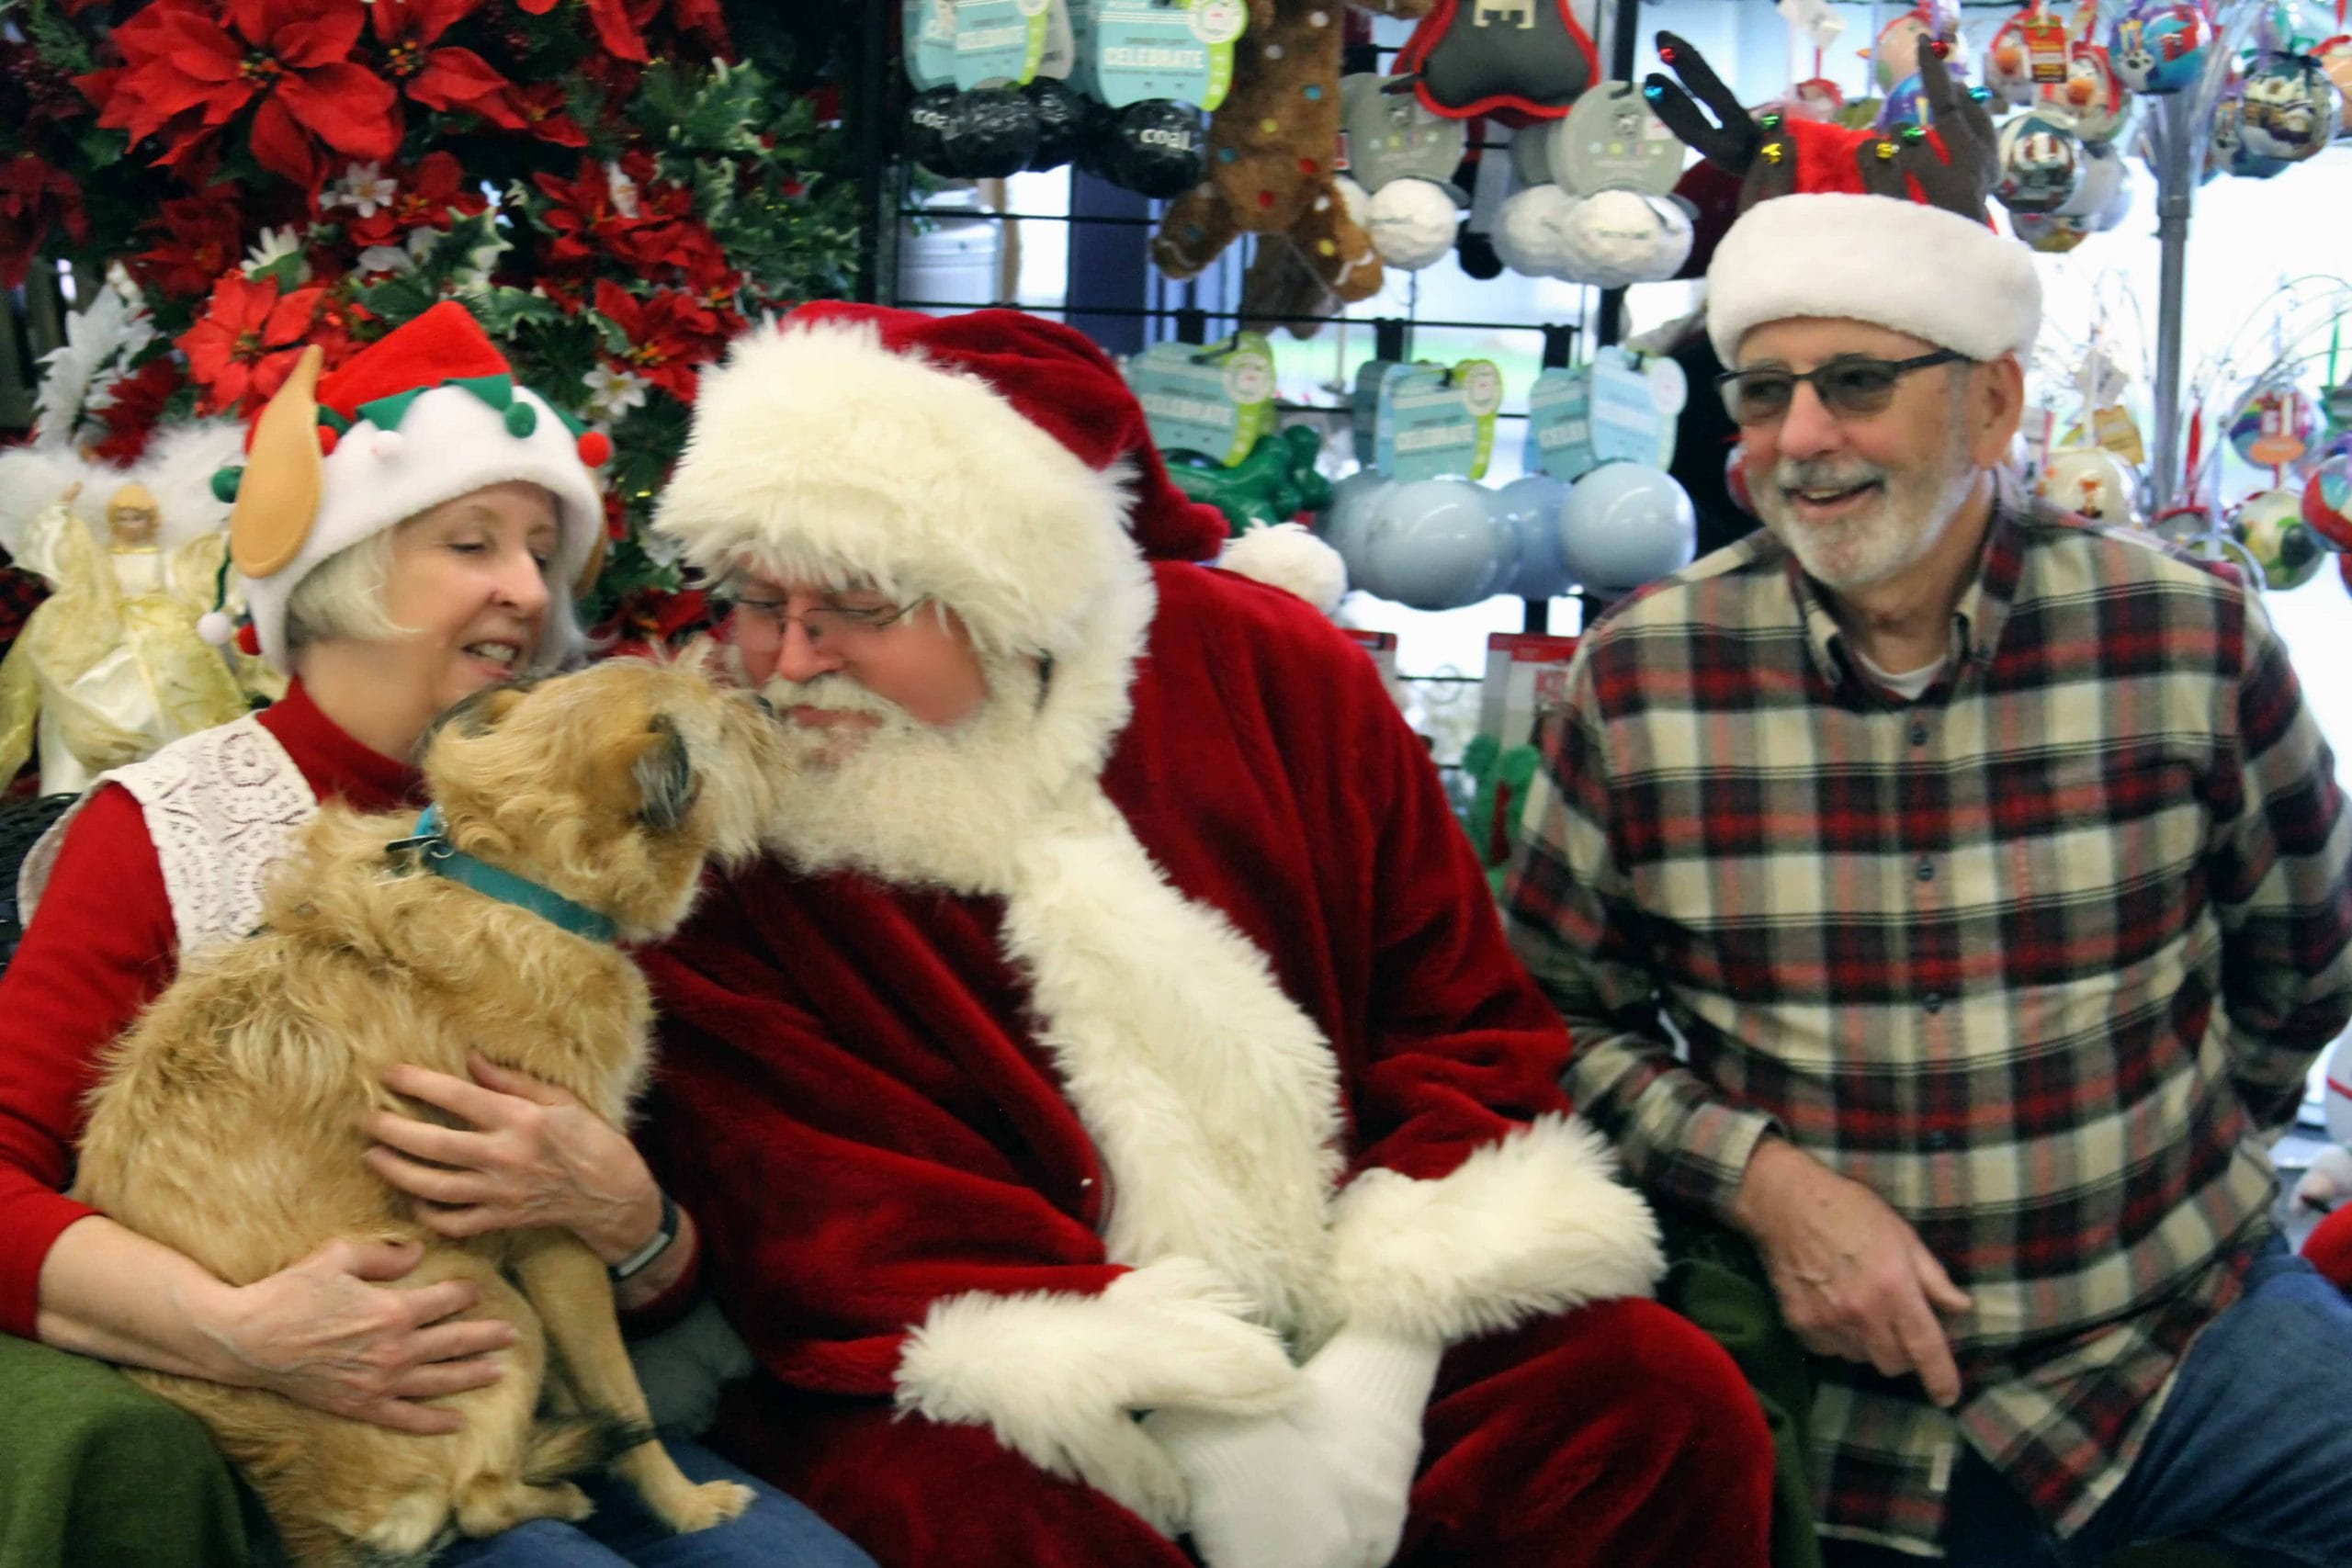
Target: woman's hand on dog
{"points": [[327, 1333], [533, 1157]]}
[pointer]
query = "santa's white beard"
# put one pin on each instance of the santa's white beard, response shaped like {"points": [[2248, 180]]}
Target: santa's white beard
{"points": [[911, 801]]}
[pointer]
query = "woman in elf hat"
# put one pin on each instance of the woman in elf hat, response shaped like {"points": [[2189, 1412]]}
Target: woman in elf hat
{"points": [[407, 531]]}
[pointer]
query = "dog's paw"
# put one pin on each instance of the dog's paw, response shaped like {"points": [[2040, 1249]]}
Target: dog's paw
{"points": [[712, 1503]]}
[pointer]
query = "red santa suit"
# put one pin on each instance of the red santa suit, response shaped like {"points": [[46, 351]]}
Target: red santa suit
{"points": [[1172, 1042]]}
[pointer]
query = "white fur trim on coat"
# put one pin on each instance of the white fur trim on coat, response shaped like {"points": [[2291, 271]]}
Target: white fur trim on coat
{"points": [[1058, 1376], [1916, 269], [817, 454], [1536, 1224]]}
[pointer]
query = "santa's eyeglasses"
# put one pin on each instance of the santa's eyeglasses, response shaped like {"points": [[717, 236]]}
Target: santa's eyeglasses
{"points": [[827, 621]]}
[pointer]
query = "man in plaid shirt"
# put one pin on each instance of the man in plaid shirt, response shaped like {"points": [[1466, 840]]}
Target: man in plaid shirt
{"points": [[1951, 896]]}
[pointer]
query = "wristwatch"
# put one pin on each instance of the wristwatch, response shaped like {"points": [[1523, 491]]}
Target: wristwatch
{"points": [[656, 1245]]}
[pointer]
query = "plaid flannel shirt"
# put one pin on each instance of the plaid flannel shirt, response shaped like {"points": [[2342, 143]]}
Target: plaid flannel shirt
{"points": [[2036, 958]]}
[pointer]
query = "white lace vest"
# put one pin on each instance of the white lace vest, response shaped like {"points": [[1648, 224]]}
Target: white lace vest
{"points": [[222, 807]]}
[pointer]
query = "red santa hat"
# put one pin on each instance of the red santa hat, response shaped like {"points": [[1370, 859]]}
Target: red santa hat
{"points": [[993, 461], [1886, 226], [429, 412]]}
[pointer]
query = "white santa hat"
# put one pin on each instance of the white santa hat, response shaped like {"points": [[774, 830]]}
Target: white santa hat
{"points": [[992, 461], [1943, 278], [426, 414], [1884, 226]]}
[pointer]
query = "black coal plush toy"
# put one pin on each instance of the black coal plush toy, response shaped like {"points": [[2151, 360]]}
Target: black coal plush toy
{"points": [[982, 133]]}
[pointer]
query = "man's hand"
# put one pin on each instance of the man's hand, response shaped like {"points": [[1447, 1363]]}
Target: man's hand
{"points": [[534, 1157], [1853, 1277]]}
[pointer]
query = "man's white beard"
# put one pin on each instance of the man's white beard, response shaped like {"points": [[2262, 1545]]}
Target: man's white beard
{"points": [[1898, 529], [912, 802]]}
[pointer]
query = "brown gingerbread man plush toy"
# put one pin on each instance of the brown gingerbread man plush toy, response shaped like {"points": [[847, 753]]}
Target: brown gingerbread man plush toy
{"points": [[1272, 146]]}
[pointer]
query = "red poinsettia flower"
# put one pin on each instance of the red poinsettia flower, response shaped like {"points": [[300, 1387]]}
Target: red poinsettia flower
{"points": [[133, 406], [542, 111], [614, 31], [246, 344], [439, 76], [188, 68], [624, 212], [423, 198], [700, 20], [651, 621], [202, 237], [668, 333], [33, 195]]}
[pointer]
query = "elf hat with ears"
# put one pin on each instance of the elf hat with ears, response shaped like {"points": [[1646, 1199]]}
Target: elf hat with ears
{"points": [[1885, 227], [426, 414]]}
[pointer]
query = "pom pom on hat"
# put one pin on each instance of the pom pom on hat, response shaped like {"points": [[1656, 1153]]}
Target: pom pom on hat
{"points": [[215, 627], [1286, 556], [595, 448]]}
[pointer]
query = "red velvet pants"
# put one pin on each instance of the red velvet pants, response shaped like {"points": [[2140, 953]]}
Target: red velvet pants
{"points": [[1615, 1437]]}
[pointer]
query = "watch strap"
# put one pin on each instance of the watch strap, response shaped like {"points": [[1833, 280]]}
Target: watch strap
{"points": [[656, 1245]]}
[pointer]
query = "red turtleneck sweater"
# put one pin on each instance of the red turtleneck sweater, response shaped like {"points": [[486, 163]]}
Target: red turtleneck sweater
{"points": [[101, 947]]}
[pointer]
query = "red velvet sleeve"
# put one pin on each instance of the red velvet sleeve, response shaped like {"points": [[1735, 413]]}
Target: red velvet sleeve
{"points": [[1458, 1045], [101, 946]]}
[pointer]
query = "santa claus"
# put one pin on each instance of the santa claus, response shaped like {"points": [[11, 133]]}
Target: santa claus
{"points": [[1112, 1113]]}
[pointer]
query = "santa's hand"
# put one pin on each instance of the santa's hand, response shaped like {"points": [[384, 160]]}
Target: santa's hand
{"points": [[1260, 1497], [1366, 1392]]}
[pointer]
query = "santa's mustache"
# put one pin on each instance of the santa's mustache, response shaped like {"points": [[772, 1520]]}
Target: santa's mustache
{"points": [[833, 693]]}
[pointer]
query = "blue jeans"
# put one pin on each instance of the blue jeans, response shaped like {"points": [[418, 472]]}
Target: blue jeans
{"points": [[773, 1532], [2251, 1452]]}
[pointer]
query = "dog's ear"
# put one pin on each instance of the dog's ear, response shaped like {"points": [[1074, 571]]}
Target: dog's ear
{"points": [[664, 775], [476, 712]]}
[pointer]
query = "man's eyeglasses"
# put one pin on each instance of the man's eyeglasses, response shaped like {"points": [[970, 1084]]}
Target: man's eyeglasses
{"points": [[825, 623], [1852, 386]]}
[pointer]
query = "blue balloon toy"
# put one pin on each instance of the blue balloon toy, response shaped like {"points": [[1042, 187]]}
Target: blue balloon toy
{"points": [[1624, 525]]}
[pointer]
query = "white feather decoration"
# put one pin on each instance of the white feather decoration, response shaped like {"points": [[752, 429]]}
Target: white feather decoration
{"points": [[100, 342]]}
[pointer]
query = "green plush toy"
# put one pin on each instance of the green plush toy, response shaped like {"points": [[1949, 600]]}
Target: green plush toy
{"points": [[1275, 481], [1503, 776]]}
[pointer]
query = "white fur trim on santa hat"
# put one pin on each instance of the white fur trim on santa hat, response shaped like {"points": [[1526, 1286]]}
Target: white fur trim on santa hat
{"points": [[1285, 556], [819, 454], [1918, 269], [449, 443]]}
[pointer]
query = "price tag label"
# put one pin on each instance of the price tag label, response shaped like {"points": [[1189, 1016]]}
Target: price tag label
{"points": [[1216, 401], [1436, 424], [1625, 410], [998, 42], [1163, 49], [929, 28], [1559, 424]]}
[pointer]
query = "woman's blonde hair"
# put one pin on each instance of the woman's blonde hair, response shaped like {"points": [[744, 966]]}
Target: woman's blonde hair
{"points": [[342, 596]]}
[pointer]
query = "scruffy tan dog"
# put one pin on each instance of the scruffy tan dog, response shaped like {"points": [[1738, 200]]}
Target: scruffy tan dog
{"points": [[227, 1121]]}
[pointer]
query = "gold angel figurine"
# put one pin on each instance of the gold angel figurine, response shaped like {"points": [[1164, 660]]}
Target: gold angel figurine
{"points": [[109, 667]]}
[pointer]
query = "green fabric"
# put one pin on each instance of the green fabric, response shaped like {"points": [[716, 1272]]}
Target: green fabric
{"points": [[1714, 1279], [95, 1472]]}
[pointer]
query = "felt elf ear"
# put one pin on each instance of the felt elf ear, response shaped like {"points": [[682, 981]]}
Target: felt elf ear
{"points": [[277, 495], [587, 578]]}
